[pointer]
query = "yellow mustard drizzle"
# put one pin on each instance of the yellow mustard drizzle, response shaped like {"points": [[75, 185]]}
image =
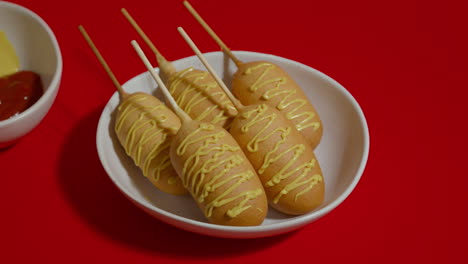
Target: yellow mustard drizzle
{"points": [[288, 97], [134, 141], [203, 93], [195, 179], [257, 116]]}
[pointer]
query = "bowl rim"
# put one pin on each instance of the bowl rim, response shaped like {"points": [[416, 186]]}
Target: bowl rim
{"points": [[58, 70], [291, 224]]}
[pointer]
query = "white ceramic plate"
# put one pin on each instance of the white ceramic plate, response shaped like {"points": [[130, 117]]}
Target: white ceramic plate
{"points": [[342, 152]]}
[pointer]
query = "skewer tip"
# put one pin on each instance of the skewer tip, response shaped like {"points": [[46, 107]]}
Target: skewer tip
{"points": [[81, 29], [124, 11], [181, 30]]}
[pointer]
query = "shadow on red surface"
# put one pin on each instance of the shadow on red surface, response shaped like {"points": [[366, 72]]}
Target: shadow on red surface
{"points": [[100, 204]]}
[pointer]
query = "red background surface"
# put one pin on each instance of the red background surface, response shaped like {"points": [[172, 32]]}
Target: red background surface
{"points": [[405, 62]]}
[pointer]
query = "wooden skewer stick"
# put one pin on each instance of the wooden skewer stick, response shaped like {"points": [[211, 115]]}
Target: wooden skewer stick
{"points": [[180, 113], [103, 62], [197, 51], [164, 64], [210, 31], [141, 32]]}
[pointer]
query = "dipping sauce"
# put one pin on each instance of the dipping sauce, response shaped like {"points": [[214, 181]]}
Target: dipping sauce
{"points": [[18, 92]]}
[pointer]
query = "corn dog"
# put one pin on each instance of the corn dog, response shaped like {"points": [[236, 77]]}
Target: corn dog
{"points": [[194, 90], [144, 127], [264, 82], [214, 169], [282, 157]]}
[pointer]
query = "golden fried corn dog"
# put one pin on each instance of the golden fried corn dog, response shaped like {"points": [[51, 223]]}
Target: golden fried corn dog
{"points": [[195, 91], [144, 127], [261, 81], [214, 169], [264, 82], [282, 157]]}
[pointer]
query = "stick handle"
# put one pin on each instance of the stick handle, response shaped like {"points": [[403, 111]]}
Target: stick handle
{"points": [[142, 34], [103, 62], [180, 113], [210, 31], [223, 86], [166, 67]]}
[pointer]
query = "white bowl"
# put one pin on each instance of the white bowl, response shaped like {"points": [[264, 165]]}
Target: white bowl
{"points": [[342, 152], [37, 50]]}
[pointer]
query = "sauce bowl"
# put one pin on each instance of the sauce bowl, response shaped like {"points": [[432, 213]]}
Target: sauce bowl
{"points": [[38, 51]]}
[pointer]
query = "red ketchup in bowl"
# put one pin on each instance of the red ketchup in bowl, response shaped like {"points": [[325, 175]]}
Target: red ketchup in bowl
{"points": [[18, 92]]}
